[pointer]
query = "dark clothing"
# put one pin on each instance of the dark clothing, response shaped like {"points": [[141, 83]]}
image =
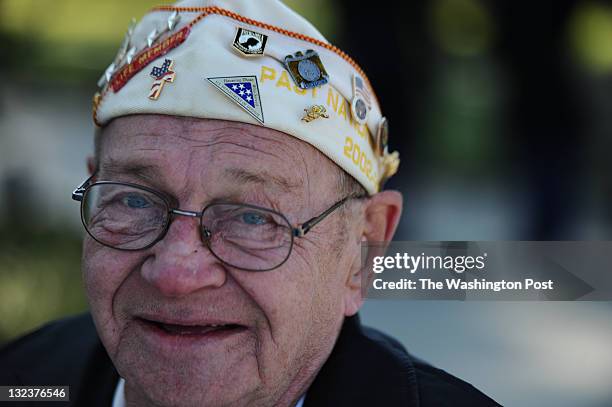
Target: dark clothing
{"points": [[366, 368]]}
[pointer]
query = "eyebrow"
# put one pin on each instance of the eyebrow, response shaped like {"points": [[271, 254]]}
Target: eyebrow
{"points": [[244, 176], [239, 175], [138, 170]]}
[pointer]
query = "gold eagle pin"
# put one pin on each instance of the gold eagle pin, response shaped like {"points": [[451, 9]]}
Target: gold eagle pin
{"points": [[314, 112]]}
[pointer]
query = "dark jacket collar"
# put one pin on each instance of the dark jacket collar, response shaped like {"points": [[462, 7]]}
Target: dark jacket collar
{"points": [[365, 368]]}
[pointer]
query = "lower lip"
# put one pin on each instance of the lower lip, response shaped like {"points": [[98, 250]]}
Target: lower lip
{"points": [[173, 340]]}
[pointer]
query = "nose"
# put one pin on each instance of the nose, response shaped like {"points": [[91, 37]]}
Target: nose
{"points": [[181, 264]]}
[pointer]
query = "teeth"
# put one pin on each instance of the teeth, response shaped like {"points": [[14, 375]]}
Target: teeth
{"points": [[179, 329], [198, 326]]}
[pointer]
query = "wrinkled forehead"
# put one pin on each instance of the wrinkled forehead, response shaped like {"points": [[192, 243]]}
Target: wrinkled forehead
{"points": [[179, 147]]}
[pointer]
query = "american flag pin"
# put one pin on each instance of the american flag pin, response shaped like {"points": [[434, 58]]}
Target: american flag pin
{"points": [[242, 90], [361, 103], [162, 75]]}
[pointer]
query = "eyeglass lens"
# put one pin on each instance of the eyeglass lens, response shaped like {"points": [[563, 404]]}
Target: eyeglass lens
{"points": [[130, 218]]}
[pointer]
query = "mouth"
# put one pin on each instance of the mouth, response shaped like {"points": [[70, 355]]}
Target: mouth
{"points": [[193, 331]]}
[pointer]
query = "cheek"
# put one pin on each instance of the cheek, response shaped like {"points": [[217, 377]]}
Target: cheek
{"points": [[282, 295], [329, 288], [326, 272], [299, 303], [285, 297], [104, 270]]}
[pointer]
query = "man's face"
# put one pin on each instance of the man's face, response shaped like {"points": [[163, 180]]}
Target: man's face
{"points": [[283, 322]]}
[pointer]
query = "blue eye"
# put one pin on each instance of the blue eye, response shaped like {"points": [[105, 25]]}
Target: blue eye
{"points": [[136, 202], [254, 218]]}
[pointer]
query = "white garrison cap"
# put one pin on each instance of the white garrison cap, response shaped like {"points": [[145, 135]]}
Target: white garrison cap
{"points": [[255, 62]]}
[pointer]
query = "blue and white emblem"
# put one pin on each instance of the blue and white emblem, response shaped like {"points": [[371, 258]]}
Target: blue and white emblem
{"points": [[244, 91]]}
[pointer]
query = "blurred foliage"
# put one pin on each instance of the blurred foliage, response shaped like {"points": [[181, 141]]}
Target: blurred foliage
{"points": [[79, 21], [462, 27], [40, 278], [72, 21], [463, 115], [591, 36], [463, 108], [68, 41], [72, 41], [323, 14]]}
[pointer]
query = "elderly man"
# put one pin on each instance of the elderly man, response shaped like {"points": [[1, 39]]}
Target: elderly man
{"points": [[238, 164]]}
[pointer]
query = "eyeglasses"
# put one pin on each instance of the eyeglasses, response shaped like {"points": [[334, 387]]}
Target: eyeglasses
{"points": [[133, 217]]}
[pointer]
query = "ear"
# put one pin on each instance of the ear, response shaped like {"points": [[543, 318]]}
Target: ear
{"points": [[381, 217], [91, 165]]}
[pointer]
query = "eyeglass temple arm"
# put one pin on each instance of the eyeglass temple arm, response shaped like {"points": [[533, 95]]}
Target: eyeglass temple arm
{"points": [[302, 229], [77, 194]]}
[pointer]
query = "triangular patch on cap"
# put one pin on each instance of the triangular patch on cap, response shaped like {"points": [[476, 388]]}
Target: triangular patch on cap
{"points": [[244, 91]]}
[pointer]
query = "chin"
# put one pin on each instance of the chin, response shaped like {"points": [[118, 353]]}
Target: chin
{"points": [[189, 386], [188, 379], [209, 396]]}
